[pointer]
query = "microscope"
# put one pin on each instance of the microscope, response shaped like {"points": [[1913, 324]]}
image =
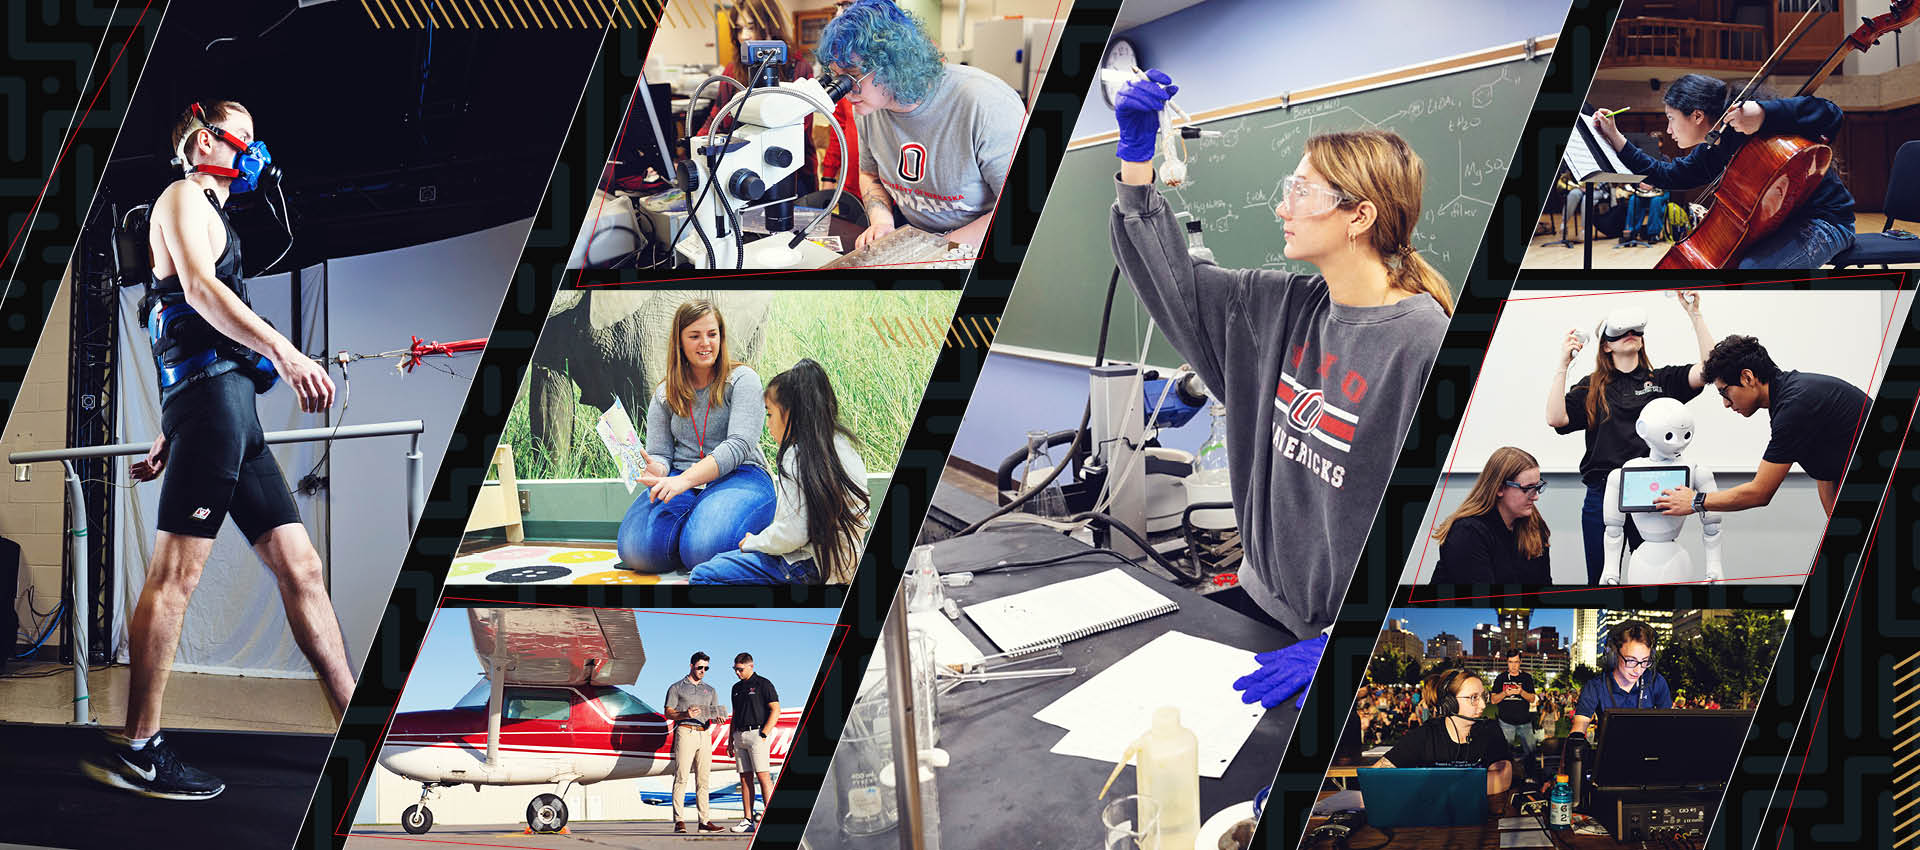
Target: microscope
{"points": [[752, 167], [1667, 427]]}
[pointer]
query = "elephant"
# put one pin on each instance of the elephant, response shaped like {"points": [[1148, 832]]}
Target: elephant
{"points": [[602, 346]]}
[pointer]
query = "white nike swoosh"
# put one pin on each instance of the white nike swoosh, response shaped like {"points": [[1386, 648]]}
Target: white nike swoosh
{"points": [[145, 773]]}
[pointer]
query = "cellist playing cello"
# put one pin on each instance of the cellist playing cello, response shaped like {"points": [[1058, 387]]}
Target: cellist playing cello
{"points": [[1820, 228]]}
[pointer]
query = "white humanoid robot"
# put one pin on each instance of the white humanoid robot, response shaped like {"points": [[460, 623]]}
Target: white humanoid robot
{"points": [[1667, 427]]}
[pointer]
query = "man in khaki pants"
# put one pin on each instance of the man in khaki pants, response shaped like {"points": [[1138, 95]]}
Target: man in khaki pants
{"points": [[692, 705]]}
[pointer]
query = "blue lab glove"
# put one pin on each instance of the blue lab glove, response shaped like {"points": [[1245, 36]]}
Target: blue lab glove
{"points": [[1137, 110], [1283, 674]]}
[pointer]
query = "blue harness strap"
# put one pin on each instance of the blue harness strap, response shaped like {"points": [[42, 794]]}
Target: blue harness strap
{"points": [[260, 369]]}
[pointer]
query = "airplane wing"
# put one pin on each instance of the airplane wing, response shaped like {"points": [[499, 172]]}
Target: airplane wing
{"points": [[559, 646]]}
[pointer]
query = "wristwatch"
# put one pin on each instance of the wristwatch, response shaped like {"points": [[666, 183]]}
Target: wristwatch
{"points": [[1699, 503]]}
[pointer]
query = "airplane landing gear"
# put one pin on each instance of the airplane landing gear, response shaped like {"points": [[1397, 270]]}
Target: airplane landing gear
{"points": [[417, 819], [547, 813]]}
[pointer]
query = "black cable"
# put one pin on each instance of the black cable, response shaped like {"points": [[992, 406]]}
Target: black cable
{"points": [[1139, 541], [1057, 559], [1079, 434], [713, 168]]}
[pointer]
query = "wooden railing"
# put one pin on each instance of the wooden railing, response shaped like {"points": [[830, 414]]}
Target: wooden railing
{"points": [[1693, 44]]}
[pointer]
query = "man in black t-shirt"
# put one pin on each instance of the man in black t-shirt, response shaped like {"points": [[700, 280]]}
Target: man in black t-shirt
{"points": [[1514, 694], [1814, 420], [756, 713]]}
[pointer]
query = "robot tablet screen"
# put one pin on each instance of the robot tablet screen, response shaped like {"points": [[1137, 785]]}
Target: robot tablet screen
{"points": [[1640, 485]]}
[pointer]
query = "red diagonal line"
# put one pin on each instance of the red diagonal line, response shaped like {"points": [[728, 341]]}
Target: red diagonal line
{"points": [[64, 146]]}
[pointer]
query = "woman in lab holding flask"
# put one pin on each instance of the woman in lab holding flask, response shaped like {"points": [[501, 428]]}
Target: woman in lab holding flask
{"points": [[1320, 373]]}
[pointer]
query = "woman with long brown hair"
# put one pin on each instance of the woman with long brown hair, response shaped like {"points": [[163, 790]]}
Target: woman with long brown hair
{"points": [[1320, 373], [707, 485], [1606, 403], [1496, 536]]}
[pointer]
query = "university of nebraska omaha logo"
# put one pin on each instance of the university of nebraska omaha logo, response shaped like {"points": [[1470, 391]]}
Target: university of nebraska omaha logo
{"points": [[1307, 411], [913, 162]]}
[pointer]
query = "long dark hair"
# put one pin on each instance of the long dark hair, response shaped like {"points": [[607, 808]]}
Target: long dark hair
{"points": [[836, 504]]}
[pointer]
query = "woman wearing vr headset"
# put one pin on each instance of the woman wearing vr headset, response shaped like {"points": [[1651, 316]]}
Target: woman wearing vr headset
{"points": [[1496, 536], [1458, 735], [1629, 680], [1320, 374], [1695, 103], [1607, 402]]}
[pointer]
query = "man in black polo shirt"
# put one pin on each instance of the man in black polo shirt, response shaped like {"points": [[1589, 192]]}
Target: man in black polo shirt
{"points": [[1814, 420], [1514, 693], [756, 712]]}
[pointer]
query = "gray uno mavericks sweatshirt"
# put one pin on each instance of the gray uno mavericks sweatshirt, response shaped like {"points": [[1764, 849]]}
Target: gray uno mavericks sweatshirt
{"points": [[944, 162], [1319, 397]]}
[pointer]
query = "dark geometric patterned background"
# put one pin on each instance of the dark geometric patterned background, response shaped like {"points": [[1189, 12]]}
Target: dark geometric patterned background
{"points": [[1843, 770]]}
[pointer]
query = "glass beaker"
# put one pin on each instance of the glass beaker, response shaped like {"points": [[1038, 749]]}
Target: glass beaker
{"points": [[865, 755], [1131, 823], [924, 591], [926, 687], [1211, 481]]}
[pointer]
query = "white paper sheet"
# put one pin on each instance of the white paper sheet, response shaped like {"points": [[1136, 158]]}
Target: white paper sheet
{"points": [[1107, 713], [1535, 837], [950, 645]]}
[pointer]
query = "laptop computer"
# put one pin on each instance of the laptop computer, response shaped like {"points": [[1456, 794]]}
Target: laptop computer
{"points": [[1423, 796], [1640, 485]]}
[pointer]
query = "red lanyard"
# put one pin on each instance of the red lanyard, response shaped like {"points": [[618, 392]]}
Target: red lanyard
{"points": [[700, 429]]}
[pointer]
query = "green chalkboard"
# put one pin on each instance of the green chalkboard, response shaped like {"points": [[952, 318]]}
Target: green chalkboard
{"points": [[1465, 125]]}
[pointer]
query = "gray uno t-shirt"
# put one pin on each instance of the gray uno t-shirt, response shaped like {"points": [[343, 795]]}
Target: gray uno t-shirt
{"points": [[944, 162]]}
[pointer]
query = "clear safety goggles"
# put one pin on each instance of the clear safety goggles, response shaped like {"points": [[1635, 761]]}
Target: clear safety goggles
{"points": [[1300, 197]]}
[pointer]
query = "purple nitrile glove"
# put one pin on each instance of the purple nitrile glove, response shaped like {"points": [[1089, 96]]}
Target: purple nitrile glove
{"points": [[1137, 110], [1283, 674]]}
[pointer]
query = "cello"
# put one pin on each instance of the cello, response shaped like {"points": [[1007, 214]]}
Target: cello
{"points": [[1770, 176]]}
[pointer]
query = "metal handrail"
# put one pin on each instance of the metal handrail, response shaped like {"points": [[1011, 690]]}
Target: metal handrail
{"points": [[77, 517]]}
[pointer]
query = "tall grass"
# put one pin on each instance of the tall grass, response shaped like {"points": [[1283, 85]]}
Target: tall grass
{"points": [[879, 384]]}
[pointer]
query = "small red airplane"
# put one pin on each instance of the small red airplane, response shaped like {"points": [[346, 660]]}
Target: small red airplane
{"points": [[546, 712]]}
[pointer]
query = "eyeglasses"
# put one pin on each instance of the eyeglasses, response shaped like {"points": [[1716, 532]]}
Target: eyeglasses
{"points": [[1300, 197], [701, 667], [740, 669], [1529, 489], [1723, 391], [1636, 663], [860, 83], [1474, 698]]}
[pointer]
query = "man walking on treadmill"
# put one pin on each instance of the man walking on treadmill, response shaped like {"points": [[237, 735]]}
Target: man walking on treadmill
{"points": [[213, 354]]}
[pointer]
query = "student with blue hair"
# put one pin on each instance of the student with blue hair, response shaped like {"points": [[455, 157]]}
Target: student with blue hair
{"points": [[936, 140]]}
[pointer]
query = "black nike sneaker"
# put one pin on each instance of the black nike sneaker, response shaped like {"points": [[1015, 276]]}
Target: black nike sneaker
{"points": [[151, 771]]}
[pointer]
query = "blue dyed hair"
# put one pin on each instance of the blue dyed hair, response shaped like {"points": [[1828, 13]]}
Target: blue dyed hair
{"points": [[877, 36]]}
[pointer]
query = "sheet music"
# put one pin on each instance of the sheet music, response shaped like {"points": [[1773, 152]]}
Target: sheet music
{"points": [[1591, 159]]}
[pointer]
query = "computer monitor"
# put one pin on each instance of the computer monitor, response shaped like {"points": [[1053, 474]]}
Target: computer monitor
{"points": [[1640, 485], [640, 148], [1423, 796], [1668, 747]]}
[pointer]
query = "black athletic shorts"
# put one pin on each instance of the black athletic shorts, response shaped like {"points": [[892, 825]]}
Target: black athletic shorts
{"points": [[218, 463]]}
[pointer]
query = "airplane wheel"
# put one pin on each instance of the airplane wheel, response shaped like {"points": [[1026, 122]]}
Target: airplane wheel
{"points": [[416, 819], [547, 813]]}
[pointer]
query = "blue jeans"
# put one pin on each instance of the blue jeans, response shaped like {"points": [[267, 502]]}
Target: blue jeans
{"points": [[1645, 215], [1521, 732], [743, 567], [1801, 243], [691, 528], [1593, 528]]}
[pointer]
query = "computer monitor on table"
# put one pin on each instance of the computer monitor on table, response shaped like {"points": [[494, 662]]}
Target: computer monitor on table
{"points": [[1668, 747]]}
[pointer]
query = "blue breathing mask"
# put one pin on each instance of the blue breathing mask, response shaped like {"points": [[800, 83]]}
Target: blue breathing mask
{"points": [[251, 162]]}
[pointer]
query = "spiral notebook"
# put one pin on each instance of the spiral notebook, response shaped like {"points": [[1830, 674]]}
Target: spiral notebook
{"points": [[1068, 610]]}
